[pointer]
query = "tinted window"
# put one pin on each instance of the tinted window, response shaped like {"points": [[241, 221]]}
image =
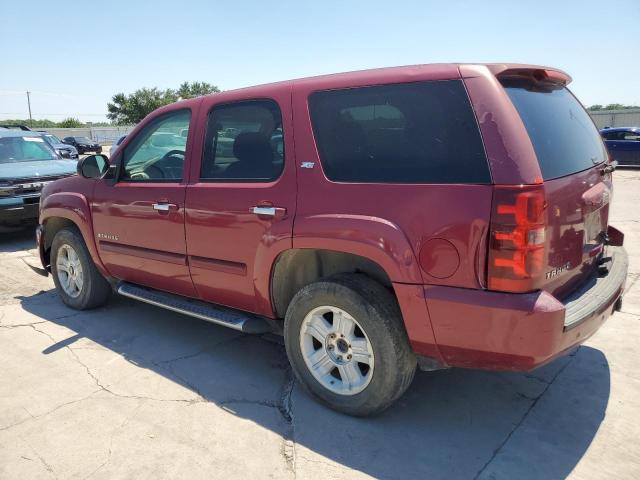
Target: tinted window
{"points": [[157, 153], [405, 133], [244, 142], [631, 136], [53, 139], [563, 135]]}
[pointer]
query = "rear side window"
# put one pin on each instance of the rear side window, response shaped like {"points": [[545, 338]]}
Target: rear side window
{"points": [[422, 132], [563, 135]]}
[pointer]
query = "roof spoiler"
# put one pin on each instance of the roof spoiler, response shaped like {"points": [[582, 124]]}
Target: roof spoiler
{"points": [[538, 76]]}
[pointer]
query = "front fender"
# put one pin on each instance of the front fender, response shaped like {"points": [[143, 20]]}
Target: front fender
{"points": [[75, 208], [377, 239]]}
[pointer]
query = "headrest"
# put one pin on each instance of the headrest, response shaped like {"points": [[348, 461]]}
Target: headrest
{"points": [[252, 146]]}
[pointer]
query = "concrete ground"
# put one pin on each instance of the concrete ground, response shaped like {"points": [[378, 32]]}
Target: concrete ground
{"points": [[133, 391]]}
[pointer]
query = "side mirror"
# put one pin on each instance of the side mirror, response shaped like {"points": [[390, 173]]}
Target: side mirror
{"points": [[93, 166]]}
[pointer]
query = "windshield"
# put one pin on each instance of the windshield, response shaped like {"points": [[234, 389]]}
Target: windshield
{"points": [[82, 140], [24, 149], [563, 135], [52, 138]]}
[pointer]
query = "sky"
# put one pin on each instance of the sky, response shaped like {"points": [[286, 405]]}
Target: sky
{"points": [[74, 56]]}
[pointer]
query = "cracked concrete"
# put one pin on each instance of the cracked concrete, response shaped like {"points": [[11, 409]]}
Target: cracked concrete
{"points": [[131, 391]]}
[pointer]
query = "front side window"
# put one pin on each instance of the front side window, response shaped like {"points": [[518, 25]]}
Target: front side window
{"points": [[422, 132], [633, 136], [244, 142], [157, 153], [25, 149]]}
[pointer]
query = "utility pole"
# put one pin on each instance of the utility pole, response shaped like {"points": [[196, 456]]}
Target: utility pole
{"points": [[29, 103]]}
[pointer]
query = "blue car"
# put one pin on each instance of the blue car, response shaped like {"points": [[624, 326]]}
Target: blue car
{"points": [[623, 144], [27, 163]]}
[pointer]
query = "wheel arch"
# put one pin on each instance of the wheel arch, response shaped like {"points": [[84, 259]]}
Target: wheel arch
{"points": [[295, 268], [328, 244], [68, 209]]}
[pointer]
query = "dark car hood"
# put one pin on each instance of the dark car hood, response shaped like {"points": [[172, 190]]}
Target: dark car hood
{"points": [[62, 146], [37, 168]]}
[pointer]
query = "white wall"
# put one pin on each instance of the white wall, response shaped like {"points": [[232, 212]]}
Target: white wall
{"points": [[617, 118], [102, 135]]}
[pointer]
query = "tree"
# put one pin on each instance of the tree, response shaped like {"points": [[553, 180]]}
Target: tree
{"points": [[70, 123], [611, 106], [130, 109], [36, 123], [196, 89]]}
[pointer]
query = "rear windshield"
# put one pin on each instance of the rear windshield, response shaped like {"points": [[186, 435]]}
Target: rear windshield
{"points": [[422, 132], [565, 139]]}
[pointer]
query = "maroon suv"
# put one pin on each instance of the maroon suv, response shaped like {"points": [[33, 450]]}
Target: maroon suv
{"points": [[434, 215]]}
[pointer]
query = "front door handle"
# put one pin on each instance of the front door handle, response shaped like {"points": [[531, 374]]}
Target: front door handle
{"points": [[165, 207], [269, 211]]}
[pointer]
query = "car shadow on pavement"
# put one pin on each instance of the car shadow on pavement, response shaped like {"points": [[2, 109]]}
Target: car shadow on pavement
{"points": [[14, 241], [450, 424]]}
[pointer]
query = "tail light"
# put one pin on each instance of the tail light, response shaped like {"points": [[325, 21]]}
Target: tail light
{"points": [[517, 242]]}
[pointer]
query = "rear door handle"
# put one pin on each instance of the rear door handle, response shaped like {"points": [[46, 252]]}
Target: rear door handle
{"points": [[165, 207], [269, 211]]}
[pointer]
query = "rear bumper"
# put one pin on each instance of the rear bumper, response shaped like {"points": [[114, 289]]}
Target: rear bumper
{"points": [[503, 331]]}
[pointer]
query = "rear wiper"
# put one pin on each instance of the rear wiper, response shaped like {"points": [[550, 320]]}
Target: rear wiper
{"points": [[609, 168]]}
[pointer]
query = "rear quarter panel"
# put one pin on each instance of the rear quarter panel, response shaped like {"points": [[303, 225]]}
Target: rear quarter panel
{"points": [[388, 223]]}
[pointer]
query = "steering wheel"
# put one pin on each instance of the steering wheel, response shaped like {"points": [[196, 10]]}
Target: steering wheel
{"points": [[150, 172], [173, 153]]}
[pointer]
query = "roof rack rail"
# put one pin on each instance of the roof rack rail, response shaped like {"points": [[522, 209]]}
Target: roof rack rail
{"points": [[16, 127]]}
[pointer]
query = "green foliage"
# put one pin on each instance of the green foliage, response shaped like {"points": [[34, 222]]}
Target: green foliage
{"points": [[611, 106], [130, 109], [70, 123], [196, 89], [36, 123]]}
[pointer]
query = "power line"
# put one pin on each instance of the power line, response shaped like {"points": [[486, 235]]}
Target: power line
{"points": [[58, 114]]}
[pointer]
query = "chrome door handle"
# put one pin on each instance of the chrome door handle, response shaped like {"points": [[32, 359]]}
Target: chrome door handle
{"points": [[266, 211], [165, 207]]}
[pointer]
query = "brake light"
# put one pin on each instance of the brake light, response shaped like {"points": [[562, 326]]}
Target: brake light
{"points": [[517, 243]]}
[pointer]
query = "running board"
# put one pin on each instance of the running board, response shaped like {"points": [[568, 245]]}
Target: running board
{"points": [[244, 322]]}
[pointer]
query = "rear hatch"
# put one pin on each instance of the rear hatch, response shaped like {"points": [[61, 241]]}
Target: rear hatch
{"points": [[577, 191]]}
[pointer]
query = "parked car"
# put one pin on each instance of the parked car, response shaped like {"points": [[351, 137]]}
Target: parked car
{"points": [[116, 144], [83, 144], [623, 144], [434, 216], [64, 150], [27, 163]]}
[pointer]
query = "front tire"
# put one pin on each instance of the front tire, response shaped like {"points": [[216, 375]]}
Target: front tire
{"points": [[78, 281], [347, 345]]}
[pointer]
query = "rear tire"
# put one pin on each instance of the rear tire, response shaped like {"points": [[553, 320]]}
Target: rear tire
{"points": [[78, 281], [347, 344]]}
